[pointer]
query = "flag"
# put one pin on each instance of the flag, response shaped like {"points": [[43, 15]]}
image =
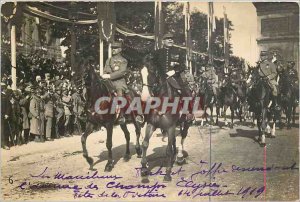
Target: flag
{"points": [[106, 20], [188, 41], [158, 26], [211, 24], [226, 39], [212, 18]]}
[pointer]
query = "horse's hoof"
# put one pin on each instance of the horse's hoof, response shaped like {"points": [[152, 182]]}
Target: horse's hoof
{"points": [[145, 180], [180, 161], [262, 144], [144, 172], [108, 168], [126, 157], [89, 160], [138, 152], [167, 178], [92, 168]]}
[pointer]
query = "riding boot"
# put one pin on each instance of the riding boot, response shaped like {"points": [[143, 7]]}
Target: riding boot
{"points": [[139, 119], [121, 119], [275, 101]]}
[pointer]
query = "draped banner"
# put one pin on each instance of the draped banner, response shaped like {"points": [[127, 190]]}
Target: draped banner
{"points": [[107, 20]]}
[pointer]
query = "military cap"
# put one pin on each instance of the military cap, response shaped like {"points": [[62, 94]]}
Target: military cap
{"points": [[291, 63], [168, 36], [116, 45], [264, 53]]}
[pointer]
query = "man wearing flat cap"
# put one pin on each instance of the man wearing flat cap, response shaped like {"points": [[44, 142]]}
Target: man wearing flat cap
{"points": [[268, 69], [115, 68]]}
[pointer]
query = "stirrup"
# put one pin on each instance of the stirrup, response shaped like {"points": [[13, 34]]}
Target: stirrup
{"points": [[139, 118], [270, 103], [121, 120]]}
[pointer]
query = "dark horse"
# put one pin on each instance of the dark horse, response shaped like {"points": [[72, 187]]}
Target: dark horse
{"points": [[288, 97], [259, 99], [167, 122], [97, 88], [228, 98], [207, 95]]}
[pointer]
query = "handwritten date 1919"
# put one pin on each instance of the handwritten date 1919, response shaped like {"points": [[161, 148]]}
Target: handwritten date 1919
{"points": [[214, 192]]}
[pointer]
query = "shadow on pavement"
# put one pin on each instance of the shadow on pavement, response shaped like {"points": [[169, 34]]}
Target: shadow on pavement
{"points": [[117, 152], [252, 134]]}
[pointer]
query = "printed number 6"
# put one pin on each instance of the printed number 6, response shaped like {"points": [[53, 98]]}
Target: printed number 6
{"points": [[10, 180]]}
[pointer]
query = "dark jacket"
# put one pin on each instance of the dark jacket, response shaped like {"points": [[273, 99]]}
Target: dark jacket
{"points": [[167, 59]]}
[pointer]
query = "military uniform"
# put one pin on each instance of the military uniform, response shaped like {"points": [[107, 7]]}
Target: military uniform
{"points": [[116, 66], [58, 115], [78, 110], [34, 109], [67, 101], [168, 59], [49, 114], [24, 103], [268, 69], [293, 74], [212, 78]]}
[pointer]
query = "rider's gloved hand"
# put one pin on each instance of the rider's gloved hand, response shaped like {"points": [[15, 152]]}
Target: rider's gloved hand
{"points": [[170, 73], [106, 76]]}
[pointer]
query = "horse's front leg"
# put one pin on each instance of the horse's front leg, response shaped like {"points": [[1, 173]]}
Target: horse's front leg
{"points": [[170, 151], [109, 165], [88, 131], [184, 127], [232, 116], [211, 115], [127, 137], [145, 171], [224, 115], [138, 135], [294, 114], [218, 114]]}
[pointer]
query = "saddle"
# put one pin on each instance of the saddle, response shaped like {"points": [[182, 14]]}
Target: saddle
{"points": [[173, 83]]}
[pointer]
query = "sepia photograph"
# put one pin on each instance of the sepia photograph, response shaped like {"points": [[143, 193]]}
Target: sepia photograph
{"points": [[149, 101]]}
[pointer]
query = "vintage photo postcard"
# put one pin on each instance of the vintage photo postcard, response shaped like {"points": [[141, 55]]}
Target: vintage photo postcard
{"points": [[149, 101]]}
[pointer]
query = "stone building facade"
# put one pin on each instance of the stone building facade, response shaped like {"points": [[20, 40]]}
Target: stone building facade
{"points": [[278, 29]]}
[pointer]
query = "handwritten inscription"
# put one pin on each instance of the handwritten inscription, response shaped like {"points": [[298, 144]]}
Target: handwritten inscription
{"points": [[200, 183]]}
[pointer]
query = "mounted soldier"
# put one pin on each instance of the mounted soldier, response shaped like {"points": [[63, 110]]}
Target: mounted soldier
{"points": [[212, 79], [268, 70], [293, 74], [115, 69], [169, 63]]}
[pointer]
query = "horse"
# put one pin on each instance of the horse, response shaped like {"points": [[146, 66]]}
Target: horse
{"points": [[208, 101], [288, 97], [259, 99], [228, 98], [166, 121], [96, 87]]}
